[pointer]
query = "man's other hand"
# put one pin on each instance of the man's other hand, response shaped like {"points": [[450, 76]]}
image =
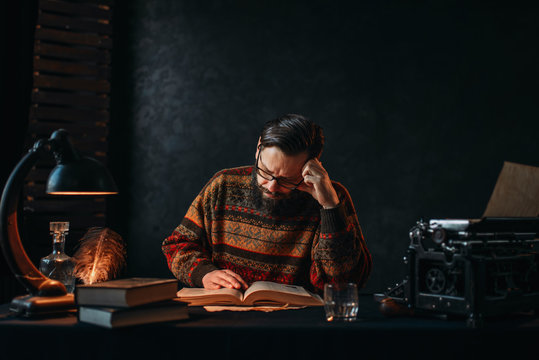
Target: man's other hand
{"points": [[317, 183], [223, 279]]}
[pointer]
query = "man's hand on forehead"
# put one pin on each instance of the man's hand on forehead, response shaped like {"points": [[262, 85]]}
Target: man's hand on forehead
{"points": [[316, 182]]}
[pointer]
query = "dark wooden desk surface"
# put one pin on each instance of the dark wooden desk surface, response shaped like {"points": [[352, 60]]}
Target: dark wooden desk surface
{"points": [[297, 334]]}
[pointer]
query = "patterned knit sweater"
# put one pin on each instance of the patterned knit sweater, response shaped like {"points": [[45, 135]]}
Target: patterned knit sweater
{"points": [[226, 227]]}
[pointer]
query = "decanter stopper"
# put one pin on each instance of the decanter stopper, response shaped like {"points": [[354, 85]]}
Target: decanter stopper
{"points": [[59, 227]]}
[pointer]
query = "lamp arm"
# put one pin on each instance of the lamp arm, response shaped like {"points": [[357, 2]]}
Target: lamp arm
{"points": [[26, 273]]}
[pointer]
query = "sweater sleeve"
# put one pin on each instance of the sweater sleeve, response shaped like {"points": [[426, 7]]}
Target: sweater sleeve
{"points": [[187, 249], [339, 250]]}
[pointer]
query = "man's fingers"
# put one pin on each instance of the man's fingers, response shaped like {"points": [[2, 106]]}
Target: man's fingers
{"points": [[313, 175], [225, 283], [238, 278], [309, 180], [223, 278], [227, 280], [305, 187], [313, 165], [213, 286]]}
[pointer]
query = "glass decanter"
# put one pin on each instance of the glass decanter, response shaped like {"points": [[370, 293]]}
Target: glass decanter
{"points": [[58, 265]]}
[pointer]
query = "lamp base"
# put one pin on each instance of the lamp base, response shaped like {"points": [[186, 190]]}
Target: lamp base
{"points": [[32, 306]]}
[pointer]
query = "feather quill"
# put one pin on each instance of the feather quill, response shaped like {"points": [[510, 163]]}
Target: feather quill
{"points": [[100, 255]]}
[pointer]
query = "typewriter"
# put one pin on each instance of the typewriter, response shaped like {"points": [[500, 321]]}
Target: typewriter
{"points": [[474, 268]]}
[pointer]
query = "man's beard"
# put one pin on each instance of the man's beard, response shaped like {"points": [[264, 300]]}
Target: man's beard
{"points": [[286, 203]]}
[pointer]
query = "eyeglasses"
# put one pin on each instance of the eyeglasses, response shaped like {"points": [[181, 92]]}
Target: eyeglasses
{"points": [[287, 184]]}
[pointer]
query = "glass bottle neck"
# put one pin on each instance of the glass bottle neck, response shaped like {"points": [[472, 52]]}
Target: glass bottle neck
{"points": [[58, 243]]}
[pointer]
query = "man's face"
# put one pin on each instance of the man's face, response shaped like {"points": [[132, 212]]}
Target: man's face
{"points": [[273, 163]]}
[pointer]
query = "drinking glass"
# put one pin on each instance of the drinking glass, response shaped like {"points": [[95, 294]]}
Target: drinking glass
{"points": [[341, 302]]}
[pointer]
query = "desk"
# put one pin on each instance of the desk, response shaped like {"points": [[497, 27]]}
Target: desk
{"points": [[289, 334]]}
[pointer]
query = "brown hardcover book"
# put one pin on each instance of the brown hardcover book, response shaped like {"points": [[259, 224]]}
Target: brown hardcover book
{"points": [[259, 293], [170, 310], [126, 292]]}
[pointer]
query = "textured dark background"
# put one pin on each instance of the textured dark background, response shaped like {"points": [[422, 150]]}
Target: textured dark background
{"points": [[421, 103]]}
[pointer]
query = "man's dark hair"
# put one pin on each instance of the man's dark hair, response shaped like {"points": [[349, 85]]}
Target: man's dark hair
{"points": [[293, 134]]}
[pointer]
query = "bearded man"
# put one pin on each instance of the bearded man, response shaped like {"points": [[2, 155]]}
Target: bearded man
{"points": [[282, 220]]}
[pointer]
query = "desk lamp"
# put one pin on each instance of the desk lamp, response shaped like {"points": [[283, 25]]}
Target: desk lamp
{"points": [[72, 175]]}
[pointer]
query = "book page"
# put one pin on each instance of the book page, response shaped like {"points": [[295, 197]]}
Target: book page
{"points": [[275, 287], [196, 294], [263, 308], [516, 193]]}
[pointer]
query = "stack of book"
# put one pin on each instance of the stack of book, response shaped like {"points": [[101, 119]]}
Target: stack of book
{"points": [[131, 301]]}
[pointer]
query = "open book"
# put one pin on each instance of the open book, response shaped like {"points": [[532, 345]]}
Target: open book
{"points": [[259, 293]]}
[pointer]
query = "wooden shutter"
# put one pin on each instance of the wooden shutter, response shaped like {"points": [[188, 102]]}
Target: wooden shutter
{"points": [[71, 90]]}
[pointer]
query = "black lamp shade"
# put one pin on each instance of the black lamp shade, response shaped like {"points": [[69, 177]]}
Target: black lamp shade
{"points": [[84, 176]]}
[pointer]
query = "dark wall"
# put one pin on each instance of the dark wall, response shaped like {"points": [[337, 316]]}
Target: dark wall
{"points": [[17, 40], [421, 105]]}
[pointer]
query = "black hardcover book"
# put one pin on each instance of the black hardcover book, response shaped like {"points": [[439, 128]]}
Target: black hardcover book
{"points": [[126, 292], [109, 317]]}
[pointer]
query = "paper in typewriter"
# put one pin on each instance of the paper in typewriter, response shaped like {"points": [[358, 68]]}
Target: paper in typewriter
{"points": [[516, 193]]}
